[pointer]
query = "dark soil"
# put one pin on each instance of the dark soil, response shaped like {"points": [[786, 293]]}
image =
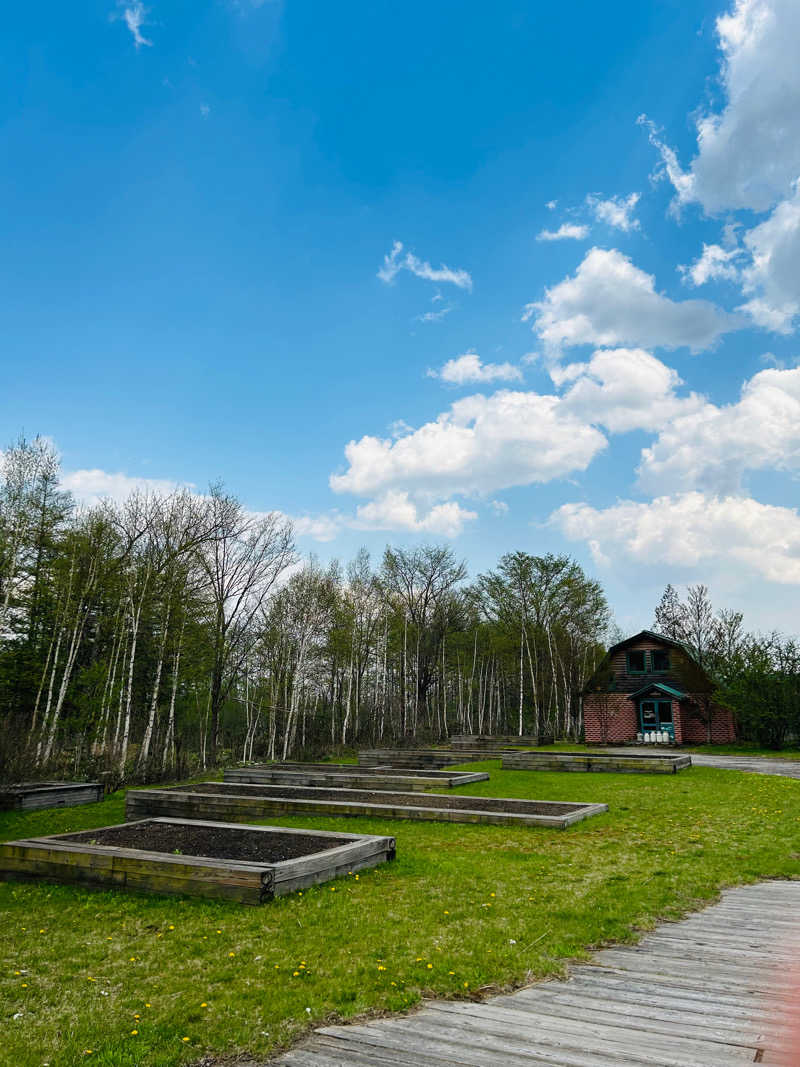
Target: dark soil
{"points": [[367, 796], [228, 843]]}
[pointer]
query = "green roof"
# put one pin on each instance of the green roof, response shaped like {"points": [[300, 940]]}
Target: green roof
{"points": [[676, 694]]}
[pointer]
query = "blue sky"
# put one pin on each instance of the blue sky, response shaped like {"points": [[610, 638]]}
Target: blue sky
{"points": [[520, 261]]}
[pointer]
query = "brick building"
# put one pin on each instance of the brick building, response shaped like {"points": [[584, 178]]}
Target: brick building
{"points": [[650, 683]]}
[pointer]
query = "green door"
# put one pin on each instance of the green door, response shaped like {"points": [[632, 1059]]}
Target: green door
{"points": [[656, 715]]}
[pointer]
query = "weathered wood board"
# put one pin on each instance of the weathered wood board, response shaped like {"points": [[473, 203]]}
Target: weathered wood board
{"points": [[56, 858], [644, 763], [478, 742], [249, 802], [26, 796], [349, 776], [417, 757]]}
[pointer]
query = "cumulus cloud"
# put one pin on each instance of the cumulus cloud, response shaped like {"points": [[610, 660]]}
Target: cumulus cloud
{"points": [[711, 447], [748, 152], [616, 211], [567, 231], [91, 486], [690, 530], [469, 368], [394, 510], [609, 301], [480, 445], [395, 261], [623, 389], [772, 277], [134, 16], [714, 263]]}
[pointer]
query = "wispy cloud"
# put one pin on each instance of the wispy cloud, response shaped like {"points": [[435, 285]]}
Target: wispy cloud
{"points": [[568, 231], [395, 261], [205, 110], [616, 211], [435, 316], [134, 14]]}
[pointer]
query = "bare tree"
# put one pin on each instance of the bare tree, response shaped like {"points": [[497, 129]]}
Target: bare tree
{"points": [[242, 563]]}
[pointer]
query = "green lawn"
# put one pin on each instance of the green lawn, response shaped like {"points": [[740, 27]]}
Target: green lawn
{"points": [[144, 980]]}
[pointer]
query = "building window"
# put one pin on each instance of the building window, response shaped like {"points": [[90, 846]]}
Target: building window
{"points": [[659, 659], [637, 662]]}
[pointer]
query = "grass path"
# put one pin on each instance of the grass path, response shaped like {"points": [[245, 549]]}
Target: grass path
{"points": [[146, 980]]}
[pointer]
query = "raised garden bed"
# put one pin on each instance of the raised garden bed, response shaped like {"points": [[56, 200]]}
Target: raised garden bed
{"points": [[199, 858], [492, 742], [24, 796], [352, 777], [250, 802], [641, 763], [416, 758]]}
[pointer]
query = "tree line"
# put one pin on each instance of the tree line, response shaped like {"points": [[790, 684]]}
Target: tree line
{"points": [[171, 632]]}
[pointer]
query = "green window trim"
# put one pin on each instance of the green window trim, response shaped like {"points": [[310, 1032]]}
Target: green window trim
{"points": [[630, 667]]}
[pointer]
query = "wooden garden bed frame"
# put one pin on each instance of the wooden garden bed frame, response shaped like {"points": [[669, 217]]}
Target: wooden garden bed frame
{"points": [[418, 758], [263, 801], [56, 859], [350, 776], [27, 796], [644, 763]]}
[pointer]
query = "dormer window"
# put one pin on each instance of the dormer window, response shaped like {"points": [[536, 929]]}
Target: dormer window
{"points": [[637, 662], [659, 659]]}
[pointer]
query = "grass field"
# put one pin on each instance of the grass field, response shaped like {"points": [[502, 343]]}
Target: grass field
{"points": [[117, 978]]}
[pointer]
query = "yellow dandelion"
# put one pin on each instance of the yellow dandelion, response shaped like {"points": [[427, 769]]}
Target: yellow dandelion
{"points": [[430, 966], [184, 1039], [231, 954], [295, 974], [204, 1005], [466, 985], [447, 913], [90, 979], [419, 959], [134, 1033], [148, 1005], [451, 972], [381, 967], [170, 927], [24, 985]]}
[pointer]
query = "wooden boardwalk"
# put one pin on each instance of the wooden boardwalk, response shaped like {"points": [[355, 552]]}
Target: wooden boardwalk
{"points": [[704, 992]]}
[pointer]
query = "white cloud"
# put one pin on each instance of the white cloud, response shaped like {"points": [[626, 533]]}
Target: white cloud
{"points": [[551, 205], [394, 510], [748, 153], [318, 527], [469, 368], [480, 445], [205, 110], [499, 507], [616, 211], [714, 263], [610, 301], [711, 447], [692, 530], [623, 389], [92, 486], [435, 316], [567, 231], [395, 261], [772, 275], [135, 16]]}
